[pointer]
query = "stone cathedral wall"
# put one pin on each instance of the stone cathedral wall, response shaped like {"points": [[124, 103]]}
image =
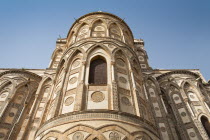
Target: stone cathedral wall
{"points": [[99, 86]]}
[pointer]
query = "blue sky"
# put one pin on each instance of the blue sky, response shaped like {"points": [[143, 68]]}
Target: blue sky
{"points": [[176, 32]]}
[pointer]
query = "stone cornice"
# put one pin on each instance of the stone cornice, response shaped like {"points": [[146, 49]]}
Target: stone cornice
{"points": [[108, 115], [21, 72], [177, 72]]}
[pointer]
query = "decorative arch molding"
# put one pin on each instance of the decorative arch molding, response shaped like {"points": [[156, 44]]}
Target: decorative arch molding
{"points": [[173, 84], [54, 134], [98, 70], [155, 82], [98, 45], [80, 26], [57, 50], [177, 72], [98, 19], [98, 13], [4, 84], [60, 66], [119, 50], [143, 51], [94, 52], [184, 82], [79, 127], [115, 31], [74, 56], [123, 49], [205, 121], [136, 134], [203, 114], [24, 72]]}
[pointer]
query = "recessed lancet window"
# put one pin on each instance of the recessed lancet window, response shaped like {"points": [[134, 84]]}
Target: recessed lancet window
{"points": [[206, 125], [98, 71]]}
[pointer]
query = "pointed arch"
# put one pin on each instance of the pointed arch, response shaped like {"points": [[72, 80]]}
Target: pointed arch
{"points": [[115, 31], [83, 31], [74, 56], [127, 38], [190, 91], [71, 38], [206, 124], [99, 29], [98, 70], [101, 46]]}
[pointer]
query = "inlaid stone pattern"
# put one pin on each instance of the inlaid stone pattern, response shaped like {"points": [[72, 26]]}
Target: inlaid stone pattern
{"points": [[122, 79], [126, 101], [120, 63], [114, 136], [69, 101], [76, 63], [73, 80], [78, 136], [97, 96]]}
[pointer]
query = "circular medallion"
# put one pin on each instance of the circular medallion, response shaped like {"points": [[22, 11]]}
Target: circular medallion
{"points": [[78, 136], [69, 101], [125, 101], [2, 135], [163, 129], [114, 136], [99, 28], [123, 80], [152, 93], [120, 62], [40, 108], [19, 97], [97, 96], [192, 96], [76, 63], [157, 108], [114, 31], [183, 114], [11, 114], [149, 82], [73, 80], [192, 134], [141, 58], [176, 98], [3, 95]]}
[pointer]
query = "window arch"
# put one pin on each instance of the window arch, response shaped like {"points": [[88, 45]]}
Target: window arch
{"points": [[99, 29], [98, 71], [206, 124]]}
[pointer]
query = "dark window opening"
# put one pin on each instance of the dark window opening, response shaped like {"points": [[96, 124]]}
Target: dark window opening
{"points": [[98, 72], [206, 125]]}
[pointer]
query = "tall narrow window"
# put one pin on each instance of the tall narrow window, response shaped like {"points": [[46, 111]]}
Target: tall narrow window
{"points": [[98, 72], [206, 125]]}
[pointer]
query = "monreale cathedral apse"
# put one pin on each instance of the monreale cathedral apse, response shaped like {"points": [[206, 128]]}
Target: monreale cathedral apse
{"points": [[100, 86]]}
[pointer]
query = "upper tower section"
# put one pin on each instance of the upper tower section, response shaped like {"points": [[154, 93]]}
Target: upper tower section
{"points": [[100, 25]]}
